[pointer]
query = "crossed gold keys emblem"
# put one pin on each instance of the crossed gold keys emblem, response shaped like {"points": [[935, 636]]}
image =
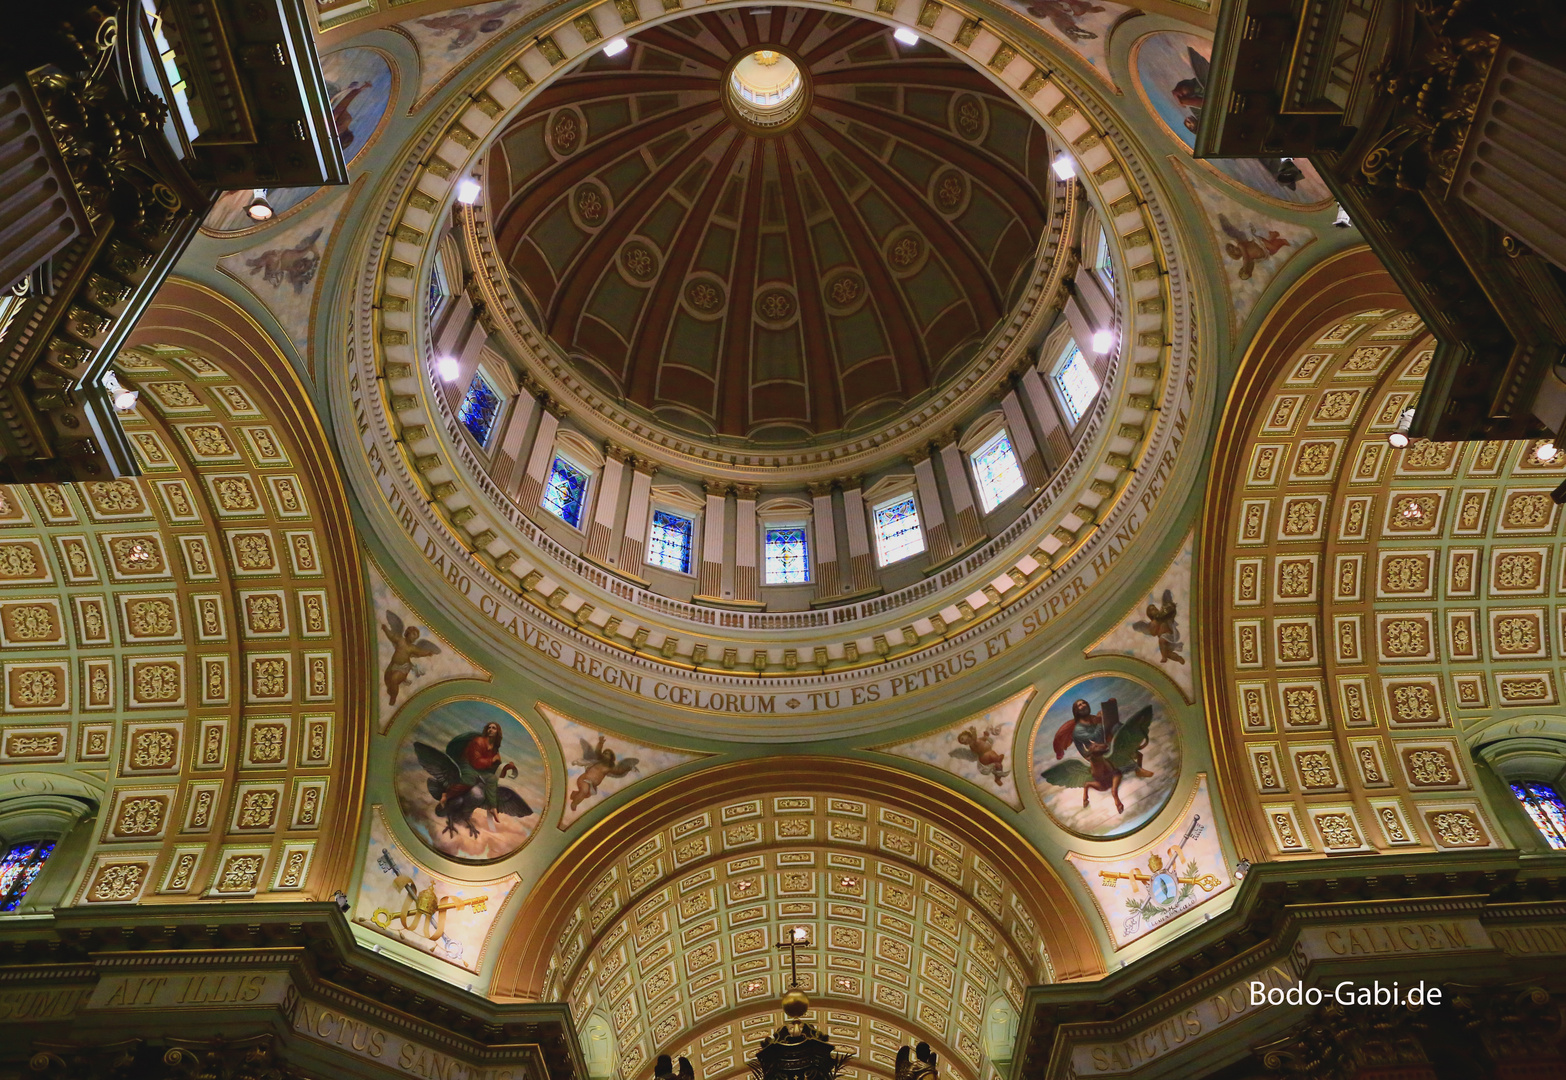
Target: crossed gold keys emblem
{"points": [[1163, 885], [423, 907]]}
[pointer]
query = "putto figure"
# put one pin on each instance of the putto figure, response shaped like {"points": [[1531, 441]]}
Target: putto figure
{"points": [[407, 646], [1161, 625], [466, 777], [1110, 750], [601, 765]]}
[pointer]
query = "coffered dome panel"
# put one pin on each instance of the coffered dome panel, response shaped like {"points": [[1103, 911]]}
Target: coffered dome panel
{"points": [[766, 283]]}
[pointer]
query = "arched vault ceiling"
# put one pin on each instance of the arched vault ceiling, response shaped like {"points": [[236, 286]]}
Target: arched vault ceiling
{"points": [[1377, 605], [186, 647], [921, 912], [803, 282]]}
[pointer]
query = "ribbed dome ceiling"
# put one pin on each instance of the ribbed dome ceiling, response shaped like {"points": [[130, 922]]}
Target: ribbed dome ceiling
{"points": [[772, 286]]}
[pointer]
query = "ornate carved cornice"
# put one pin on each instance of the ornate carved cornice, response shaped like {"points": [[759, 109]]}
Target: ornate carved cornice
{"points": [[166, 975], [1490, 916]]}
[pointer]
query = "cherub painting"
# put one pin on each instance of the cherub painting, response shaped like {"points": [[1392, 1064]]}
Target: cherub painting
{"points": [[466, 24], [294, 266], [471, 780], [1250, 245], [599, 764], [1106, 756], [985, 750], [1162, 627], [1084, 26], [407, 646]]}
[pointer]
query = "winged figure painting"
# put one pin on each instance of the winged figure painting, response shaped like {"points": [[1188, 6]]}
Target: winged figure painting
{"points": [[601, 764], [407, 646], [1110, 750], [1160, 625], [465, 778], [1191, 93]]}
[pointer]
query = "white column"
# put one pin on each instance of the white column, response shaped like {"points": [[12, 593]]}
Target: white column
{"points": [[452, 324], [1022, 440], [1057, 446], [966, 528], [747, 580], [709, 583], [532, 486], [937, 537], [523, 408], [467, 360], [861, 563], [825, 571], [634, 541], [602, 527]]}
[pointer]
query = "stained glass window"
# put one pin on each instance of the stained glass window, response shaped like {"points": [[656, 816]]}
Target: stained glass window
{"points": [[1077, 384], [565, 491], [997, 471], [437, 293], [897, 532], [787, 556], [18, 868], [669, 545], [1544, 805], [480, 406], [1105, 264]]}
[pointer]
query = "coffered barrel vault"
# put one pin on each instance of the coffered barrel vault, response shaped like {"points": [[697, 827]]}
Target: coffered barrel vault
{"points": [[744, 282]]}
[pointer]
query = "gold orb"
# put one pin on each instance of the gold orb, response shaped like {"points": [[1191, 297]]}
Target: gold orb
{"points": [[795, 1003]]}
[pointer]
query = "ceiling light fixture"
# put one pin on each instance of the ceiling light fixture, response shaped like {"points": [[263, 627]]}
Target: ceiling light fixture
{"points": [[258, 208], [1103, 341], [905, 36], [468, 190], [124, 400], [446, 367], [615, 46], [1546, 452], [1405, 420], [1343, 221], [1065, 168]]}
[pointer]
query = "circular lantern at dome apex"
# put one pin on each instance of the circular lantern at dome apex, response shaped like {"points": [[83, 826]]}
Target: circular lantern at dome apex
{"points": [[1106, 756], [472, 781], [765, 90]]}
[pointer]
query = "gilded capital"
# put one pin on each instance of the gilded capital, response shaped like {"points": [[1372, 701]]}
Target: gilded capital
{"points": [[818, 488], [716, 487], [747, 492]]}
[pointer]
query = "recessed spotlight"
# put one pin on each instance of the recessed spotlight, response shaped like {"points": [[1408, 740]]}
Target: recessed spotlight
{"points": [[258, 208], [446, 367], [468, 190], [1103, 341], [1065, 168], [1398, 439], [615, 46], [905, 36]]}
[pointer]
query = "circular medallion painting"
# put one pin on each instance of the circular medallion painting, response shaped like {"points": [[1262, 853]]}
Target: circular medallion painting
{"points": [[361, 84], [1106, 756], [1171, 71], [471, 781]]}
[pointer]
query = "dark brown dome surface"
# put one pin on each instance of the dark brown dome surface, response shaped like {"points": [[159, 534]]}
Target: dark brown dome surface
{"points": [[773, 286]]}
